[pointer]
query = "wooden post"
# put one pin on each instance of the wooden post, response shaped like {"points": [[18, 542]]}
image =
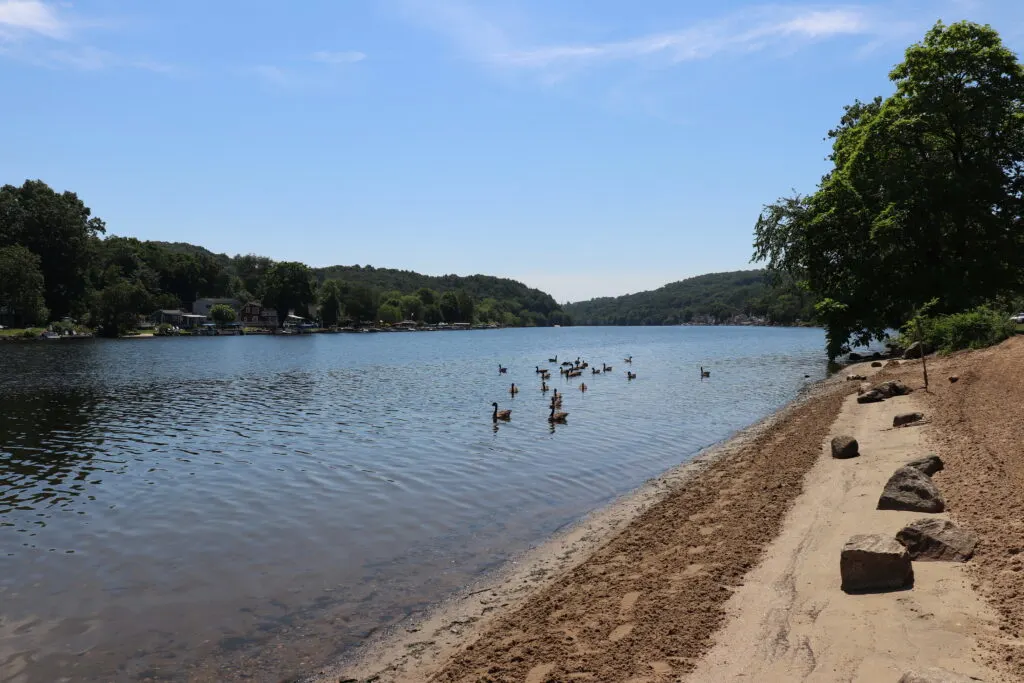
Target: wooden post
{"points": [[924, 363]]}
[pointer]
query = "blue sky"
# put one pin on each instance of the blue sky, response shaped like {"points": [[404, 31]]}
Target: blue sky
{"points": [[586, 147]]}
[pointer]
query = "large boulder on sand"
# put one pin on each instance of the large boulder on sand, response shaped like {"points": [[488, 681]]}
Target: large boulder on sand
{"points": [[911, 489], [906, 418], [873, 562], [913, 351], [845, 447], [876, 364], [929, 464], [872, 396], [934, 675], [937, 539], [893, 387]]}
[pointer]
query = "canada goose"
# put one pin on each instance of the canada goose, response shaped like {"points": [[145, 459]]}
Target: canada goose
{"points": [[556, 417], [628, 359], [538, 370], [501, 370], [585, 365], [704, 373], [566, 364], [500, 414], [544, 388], [575, 373], [553, 360], [583, 386], [595, 371], [606, 368], [630, 375], [514, 390], [556, 399]]}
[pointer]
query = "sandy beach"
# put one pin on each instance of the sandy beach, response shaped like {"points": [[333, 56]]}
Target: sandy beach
{"points": [[728, 568]]}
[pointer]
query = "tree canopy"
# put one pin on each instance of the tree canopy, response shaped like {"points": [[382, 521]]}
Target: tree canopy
{"points": [[924, 200], [55, 261]]}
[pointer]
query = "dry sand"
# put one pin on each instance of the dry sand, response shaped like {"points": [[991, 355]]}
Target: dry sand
{"points": [[791, 622], [727, 569]]}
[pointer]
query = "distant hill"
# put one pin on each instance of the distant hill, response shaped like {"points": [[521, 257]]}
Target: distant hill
{"points": [[715, 298], [480, 287], [525, 304]]}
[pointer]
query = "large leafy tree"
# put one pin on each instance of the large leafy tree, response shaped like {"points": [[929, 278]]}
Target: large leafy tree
{"points": [[925, 198], [58, 228], [289, 286], [332, 301], [21, 285]]}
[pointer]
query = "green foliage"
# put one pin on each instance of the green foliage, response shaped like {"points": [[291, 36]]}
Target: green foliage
{"points": [[22, 286], [289, 286], [83, 274], [116, 308], [518, 298], [973, 329], [715, 297], [389, 313], [222, 314], [332, 296], [59, 229], [924, 198]]}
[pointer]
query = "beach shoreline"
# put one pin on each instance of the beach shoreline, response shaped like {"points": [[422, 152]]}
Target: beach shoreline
{"points": [[419, 646]]}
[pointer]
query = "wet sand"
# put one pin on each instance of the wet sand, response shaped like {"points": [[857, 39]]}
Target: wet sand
{"points": [[727, 568], [635, 590]]}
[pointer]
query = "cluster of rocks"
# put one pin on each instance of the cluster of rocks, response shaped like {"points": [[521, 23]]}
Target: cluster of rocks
{"points": [[874, 562], [882, 391], [877, 562]]}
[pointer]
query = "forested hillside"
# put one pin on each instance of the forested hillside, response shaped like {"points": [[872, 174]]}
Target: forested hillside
{"points": [[709, 299], [56, 261]]}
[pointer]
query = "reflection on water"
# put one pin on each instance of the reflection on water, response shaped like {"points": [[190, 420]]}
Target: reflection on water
{"points": [[247, 508]]}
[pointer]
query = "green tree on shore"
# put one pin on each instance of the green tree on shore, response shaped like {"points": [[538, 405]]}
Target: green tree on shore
{"points": [[59, 229], [222, 314], [925, 197], [332, 302], [289, 286], [22, 286]]}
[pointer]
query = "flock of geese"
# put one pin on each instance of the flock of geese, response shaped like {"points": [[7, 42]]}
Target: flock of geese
{"points": [[569, 370]]}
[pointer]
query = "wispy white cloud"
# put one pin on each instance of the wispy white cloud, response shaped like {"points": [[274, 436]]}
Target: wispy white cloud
{"points": [[336, 58], [21, 18], [45, 34], [755, 29]]}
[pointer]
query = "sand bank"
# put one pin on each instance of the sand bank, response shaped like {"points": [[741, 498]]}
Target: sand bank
{"points": [[726, 569], [635, 588]]}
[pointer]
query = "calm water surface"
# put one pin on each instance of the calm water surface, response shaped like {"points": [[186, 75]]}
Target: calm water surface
{"points": [[248, 508]]}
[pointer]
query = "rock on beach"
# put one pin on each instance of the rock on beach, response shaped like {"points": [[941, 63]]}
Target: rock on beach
{"points": [[845, 447], [937, 539], [874, 562], [911, 489]]}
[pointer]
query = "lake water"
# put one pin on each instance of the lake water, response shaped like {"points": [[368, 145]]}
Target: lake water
{"points": [[249, 508]]}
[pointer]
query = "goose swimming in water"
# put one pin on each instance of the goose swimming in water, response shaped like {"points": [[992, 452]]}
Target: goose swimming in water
{"points": [[630, 375], [500, 414], [501, 370], [514, 390], [556, 417], [704, 373]]}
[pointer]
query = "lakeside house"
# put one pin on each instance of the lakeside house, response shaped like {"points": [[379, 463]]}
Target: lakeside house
{"points": [[177, 318], [253, 314], [202, 306]]}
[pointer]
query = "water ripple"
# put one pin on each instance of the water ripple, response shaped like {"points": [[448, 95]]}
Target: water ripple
{"points": [[234, 492]]}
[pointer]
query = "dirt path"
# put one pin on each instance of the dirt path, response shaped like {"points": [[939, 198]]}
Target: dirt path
{"points": [[979, 431], [642, 606], [791, 622]]}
